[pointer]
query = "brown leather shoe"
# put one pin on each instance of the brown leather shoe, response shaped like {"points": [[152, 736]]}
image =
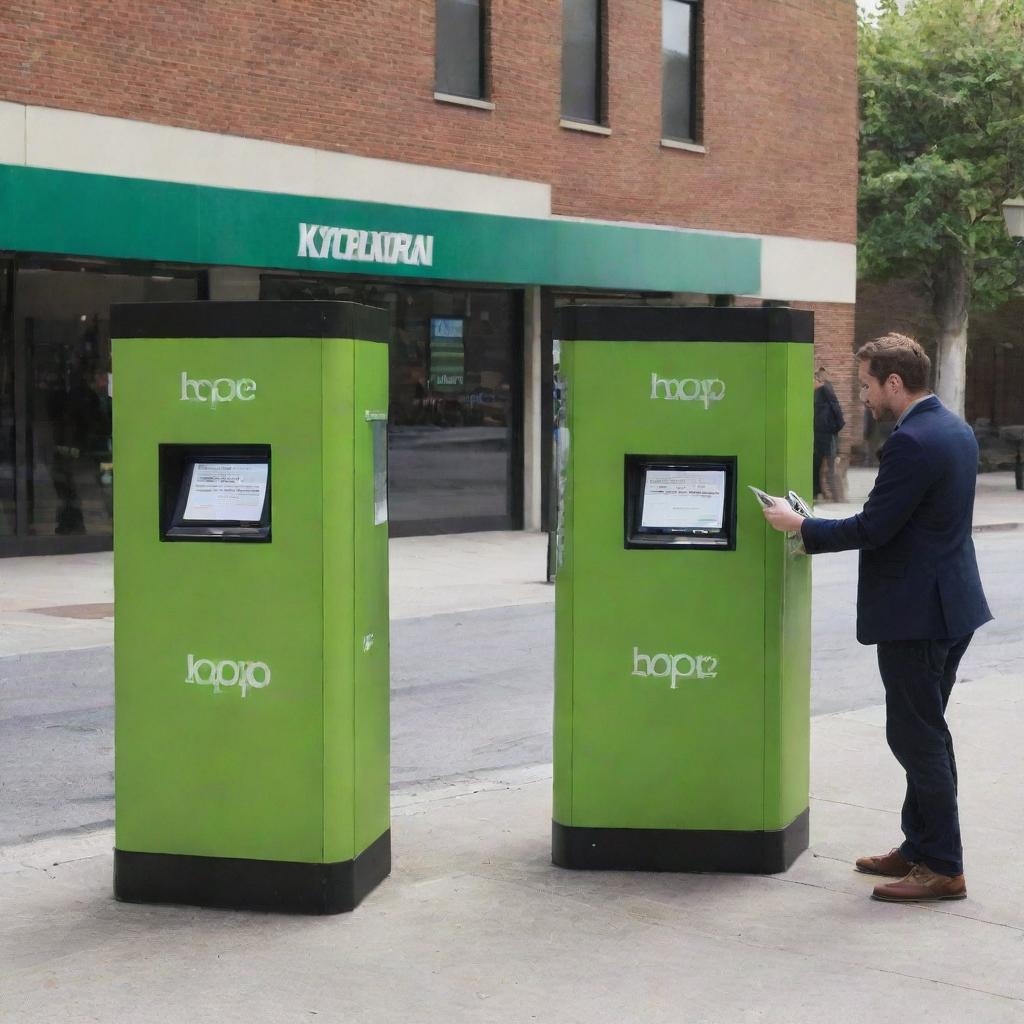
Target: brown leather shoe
{"points": [[921, 885], [891, 864]]}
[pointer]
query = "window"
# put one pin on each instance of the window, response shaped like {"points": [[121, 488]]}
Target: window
{"points": [[455, 410], [62, 339], [679, 70], [459, 55], [582, 60]]}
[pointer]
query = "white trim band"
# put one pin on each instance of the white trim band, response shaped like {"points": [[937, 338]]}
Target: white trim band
{"points": [[803, 270], [65, 140]]}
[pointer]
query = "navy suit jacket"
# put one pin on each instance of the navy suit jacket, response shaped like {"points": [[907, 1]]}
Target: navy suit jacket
{"points": [[918, 575]]}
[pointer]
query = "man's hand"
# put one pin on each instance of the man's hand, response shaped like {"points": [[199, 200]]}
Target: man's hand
{"points": [[782, 516]]}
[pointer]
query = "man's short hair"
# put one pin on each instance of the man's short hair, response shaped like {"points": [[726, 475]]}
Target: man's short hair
{"points": [[896, 353]]}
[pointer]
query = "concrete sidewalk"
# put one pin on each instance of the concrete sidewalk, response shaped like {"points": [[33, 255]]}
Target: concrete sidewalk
{"points": [[475, 925], [998, 505]]}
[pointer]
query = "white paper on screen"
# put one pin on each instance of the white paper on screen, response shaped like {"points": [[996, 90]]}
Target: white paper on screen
{"points": [[227, 491], [684, 499]]}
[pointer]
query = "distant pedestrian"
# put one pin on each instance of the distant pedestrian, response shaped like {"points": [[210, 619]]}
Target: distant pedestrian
{"points": [[919, 598], [828, 421]]}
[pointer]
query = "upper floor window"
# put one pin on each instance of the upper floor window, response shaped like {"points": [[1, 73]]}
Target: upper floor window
{"points": [[583, 60], [679, 70], [459, 53]]}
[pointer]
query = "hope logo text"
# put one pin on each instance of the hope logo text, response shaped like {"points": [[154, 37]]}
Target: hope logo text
{"points": [[223, 389], [246, 675], [674, 666], [687, 390]]}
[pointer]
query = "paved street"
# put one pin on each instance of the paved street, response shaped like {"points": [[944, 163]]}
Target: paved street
{"points": [[471, 693]]}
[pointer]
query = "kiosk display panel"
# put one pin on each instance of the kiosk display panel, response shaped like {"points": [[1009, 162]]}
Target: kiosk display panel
{"points": [[215, 492], [682, 502]]}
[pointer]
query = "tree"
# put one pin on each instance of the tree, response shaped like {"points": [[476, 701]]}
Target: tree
{"points": [[942, 146]]}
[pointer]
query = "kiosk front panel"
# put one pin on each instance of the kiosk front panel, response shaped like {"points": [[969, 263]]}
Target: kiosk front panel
{"points": [[682, 636]]}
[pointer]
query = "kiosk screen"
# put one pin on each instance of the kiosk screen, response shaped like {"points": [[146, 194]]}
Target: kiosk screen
{"points": [[226, 492], [680, 502], [215, 492], [683, 499]]}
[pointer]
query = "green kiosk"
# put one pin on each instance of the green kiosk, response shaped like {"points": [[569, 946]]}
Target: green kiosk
{"points": [[682, 661], [251, 575]]}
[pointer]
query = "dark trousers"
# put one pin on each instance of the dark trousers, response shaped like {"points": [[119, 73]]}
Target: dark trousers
{"points": [[918, 676]]}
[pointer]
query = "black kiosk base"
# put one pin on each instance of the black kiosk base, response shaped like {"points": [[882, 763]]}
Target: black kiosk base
{"points": [[234, 884], [640, 849]]}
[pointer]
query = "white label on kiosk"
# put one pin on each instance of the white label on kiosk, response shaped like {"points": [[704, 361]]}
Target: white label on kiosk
{"points": [[683, 499], [227, 492]]}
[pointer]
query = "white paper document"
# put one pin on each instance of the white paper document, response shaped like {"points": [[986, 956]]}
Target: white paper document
{"points": [[678, 499], [227, 492]]}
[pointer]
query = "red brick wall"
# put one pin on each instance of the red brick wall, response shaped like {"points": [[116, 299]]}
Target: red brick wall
{"points": [[356, 76]]}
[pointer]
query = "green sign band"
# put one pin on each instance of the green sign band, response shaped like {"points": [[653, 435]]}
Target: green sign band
{"points": [[128, 218]]}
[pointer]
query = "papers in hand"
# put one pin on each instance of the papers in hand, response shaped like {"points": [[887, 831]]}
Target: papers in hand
{"points": [[796, 503], [766, 500]]}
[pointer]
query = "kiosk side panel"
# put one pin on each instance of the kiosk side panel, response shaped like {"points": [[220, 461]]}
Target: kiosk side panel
{"points": [[338, 576], [371, 644], [788, 579], [564, 533], [796, 600]]}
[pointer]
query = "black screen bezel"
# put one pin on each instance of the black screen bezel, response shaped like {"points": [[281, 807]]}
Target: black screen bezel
{"points": [[638, 537], [177, 464]]}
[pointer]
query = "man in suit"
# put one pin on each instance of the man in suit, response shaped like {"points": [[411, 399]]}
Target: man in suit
{"points": [[919, 598]]}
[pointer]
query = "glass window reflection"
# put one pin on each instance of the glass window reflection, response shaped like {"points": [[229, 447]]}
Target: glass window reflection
{"points": [[678, 69], [8, 518], [63, 328], [454, 398]]}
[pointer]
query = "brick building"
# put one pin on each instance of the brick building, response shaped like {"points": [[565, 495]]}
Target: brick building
{"points": [[468, 164]]}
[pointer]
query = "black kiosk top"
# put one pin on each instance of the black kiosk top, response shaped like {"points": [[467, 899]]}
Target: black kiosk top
{"points": [[270, 318], [684, 323]]}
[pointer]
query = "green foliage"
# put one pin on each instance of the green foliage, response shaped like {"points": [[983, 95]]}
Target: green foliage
{"points": [[942, 141]]}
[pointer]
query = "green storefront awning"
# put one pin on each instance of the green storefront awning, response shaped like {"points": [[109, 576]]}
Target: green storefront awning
{"points": [[129, 218]]}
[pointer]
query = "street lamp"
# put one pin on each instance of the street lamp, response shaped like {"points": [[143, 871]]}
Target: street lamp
{"points": [[1013, 214]]}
